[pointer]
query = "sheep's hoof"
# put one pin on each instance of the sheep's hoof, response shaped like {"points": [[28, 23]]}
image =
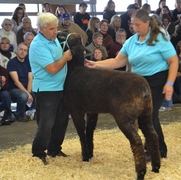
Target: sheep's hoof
{"points": [[155, 169], [85, 159], [141, 175]]}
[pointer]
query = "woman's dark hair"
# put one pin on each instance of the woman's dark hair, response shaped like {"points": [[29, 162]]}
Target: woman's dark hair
{"points": [[166, 16], [155, 30], [109, 4], [15, 14], [102, 21], [56, 11]]}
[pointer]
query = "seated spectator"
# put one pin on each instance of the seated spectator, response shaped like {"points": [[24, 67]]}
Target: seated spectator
{"points": [[168, 25], [126, 19], [93, 27], [82, 17], [97, 41], [26, 27], [46, 7], [107, 39], [114, 26], [117, 45], [109, 11], [98, 54], [177, 11], [28, 37], [5, 54], [18, 15], [20, 81], [5, 97], [70, 27], [166, 10], [146, 7], [59, 11], [177, 36], [22, 5], [160, 5], [7, 32]]}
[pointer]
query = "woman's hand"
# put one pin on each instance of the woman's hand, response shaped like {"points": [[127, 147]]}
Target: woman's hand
{"points": [[3, 80], [168, 91], [90, 64]]}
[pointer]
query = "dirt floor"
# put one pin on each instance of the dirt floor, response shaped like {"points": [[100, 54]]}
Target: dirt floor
{"points": [[21, 133]]}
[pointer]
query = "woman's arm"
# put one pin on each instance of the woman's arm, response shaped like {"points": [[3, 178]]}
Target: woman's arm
{"points": [[113, 63], [172, 74]]}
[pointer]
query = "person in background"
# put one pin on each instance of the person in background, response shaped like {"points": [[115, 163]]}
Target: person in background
{"points": [[5, 97], [126, 19], [68, 26], [28, 37], [49, 67], [107, 38], [98, 54], [114, 26], [177, 12], [160, 6], [109, 11], [82, 17], [5, 54], [166, 10], [152, 56], [177, 36], [46, 7], [18, 15], [146, 7], [117, 45], [97, 41], [168, 25], [7, 32], [20, 81], [59, 11], [93, 26], [22, 5], [26, 27]]}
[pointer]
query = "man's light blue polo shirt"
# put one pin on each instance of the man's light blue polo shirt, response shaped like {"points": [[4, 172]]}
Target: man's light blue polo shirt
{"points": [[42, 53], [147, 60]]}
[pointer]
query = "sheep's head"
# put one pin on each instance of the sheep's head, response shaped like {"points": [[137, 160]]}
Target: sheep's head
{"points": [[73, 41]]}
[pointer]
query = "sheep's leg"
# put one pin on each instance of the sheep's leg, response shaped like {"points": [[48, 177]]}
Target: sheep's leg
{"points": [[146, 126], [127, 127], [79, 123], [90, 127]]}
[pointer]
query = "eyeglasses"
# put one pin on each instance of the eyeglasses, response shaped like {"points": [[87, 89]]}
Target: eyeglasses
{"points": [[21, 49], [7, 24]]}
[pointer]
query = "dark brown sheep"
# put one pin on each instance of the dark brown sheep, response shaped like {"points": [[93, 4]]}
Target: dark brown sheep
{"points": [[126, 96]]}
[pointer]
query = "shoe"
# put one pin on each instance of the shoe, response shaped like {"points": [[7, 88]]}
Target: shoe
{"points": [[21, 119], [162, 108], [43, 159], [163, 155], [59, 154]]}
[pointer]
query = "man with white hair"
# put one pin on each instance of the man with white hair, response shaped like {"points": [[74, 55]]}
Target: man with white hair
{"points": [[48, 63], [28, 37]]}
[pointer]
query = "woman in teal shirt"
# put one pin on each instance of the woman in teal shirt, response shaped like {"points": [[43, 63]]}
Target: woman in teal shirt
{"points": [[152, 56]]}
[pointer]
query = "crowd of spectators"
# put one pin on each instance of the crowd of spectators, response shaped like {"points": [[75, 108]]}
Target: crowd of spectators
{"points": [[103, 38]]}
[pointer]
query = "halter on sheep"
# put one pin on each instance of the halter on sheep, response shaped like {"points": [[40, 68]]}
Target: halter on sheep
{"points": [[124, 95]]}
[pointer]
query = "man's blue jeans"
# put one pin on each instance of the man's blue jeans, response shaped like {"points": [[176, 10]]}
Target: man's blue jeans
{"points": [[21, 98]]}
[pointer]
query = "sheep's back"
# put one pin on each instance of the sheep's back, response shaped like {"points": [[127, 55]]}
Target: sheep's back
{"points": [[96, 90]]}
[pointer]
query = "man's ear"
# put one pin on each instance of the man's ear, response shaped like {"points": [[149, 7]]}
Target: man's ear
{"points": [[41, 29]]}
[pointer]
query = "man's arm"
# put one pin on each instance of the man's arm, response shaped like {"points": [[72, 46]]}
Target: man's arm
{"points": [[56, 66], [30, 80]]}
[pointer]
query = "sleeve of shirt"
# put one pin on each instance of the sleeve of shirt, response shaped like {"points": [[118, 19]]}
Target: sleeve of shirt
{"points": [[123, 50], [11, 66], [167, 49]]}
